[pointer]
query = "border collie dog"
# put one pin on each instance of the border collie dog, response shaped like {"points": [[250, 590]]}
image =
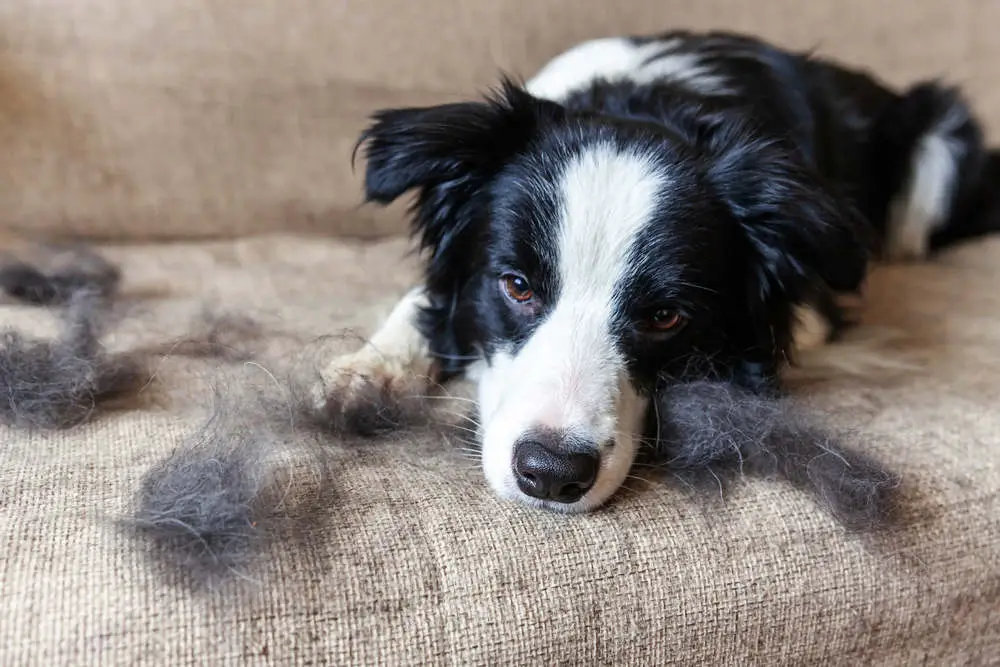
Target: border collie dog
{"points": [[648, 210]]}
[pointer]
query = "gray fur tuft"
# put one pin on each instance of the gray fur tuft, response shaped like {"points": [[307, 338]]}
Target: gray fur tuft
{"points": [[710, 431]]}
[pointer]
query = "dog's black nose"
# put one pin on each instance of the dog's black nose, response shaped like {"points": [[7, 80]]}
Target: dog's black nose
{"points": [[562, 476]]}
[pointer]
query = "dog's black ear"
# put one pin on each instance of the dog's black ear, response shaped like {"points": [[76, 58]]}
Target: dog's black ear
{"points": [[448, 154], [804, 238]]}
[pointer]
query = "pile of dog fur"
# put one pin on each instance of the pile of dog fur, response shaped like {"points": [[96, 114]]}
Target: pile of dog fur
{"points": [[205, 511]]}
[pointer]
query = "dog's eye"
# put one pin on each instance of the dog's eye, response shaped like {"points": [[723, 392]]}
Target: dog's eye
{"points": [[664, 320], [517, 287]]}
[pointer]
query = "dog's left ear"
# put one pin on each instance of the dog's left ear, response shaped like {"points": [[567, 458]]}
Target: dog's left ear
{"points": [[448, 154], [804, 238]]}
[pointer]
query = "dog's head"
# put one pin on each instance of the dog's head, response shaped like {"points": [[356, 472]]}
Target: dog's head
{"points": [[589, 258]]}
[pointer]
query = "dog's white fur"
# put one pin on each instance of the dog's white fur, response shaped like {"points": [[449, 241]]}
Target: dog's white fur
{"points": [[569, 376], [616, 59], [924, 204]]}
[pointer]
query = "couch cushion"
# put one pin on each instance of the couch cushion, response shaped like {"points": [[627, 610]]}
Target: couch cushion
{"points": [[419, 563], [193, 118]]}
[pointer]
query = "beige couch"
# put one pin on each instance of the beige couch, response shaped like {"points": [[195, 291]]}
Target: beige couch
{"points": [[225, 128]]}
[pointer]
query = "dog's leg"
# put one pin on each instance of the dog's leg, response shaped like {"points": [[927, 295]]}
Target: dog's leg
{"points": [[394, 358], [811, 328], [821, 322]]}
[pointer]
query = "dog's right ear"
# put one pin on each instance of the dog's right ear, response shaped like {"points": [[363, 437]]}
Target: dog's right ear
{"points": [[448, 154]]}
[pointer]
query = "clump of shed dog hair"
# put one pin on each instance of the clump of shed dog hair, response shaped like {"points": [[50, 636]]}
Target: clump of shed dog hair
{"points": [[64, 381], [251, 473], [710, 431], [61, 382], [58, 275], [260, 469]]}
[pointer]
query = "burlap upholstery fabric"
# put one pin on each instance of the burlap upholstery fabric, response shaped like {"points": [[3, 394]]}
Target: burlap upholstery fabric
{"points": [[139, 122], [421, 565]]}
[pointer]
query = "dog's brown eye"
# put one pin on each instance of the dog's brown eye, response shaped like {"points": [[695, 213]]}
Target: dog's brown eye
{"points": [[664, 320], [517, 287]]}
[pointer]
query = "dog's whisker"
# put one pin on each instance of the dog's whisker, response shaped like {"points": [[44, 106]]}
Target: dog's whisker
{"points": [[457, 413], [466, 429], [447, 397]]}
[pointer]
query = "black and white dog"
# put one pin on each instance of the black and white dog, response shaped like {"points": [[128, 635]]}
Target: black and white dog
{"points": [[644, 211]]}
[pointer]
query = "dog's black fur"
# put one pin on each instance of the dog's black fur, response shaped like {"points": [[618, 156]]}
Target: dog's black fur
{"points": [[785, 184]]}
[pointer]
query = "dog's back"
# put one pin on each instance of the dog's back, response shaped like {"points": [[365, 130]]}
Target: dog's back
{"points": [[912, 162]]}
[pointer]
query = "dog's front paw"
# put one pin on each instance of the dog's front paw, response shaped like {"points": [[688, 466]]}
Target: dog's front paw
{"points": [[352, 374], [907, 243], [366, 393]]}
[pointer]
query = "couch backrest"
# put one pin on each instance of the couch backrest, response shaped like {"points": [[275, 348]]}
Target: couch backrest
{"points": [[182, 118]]}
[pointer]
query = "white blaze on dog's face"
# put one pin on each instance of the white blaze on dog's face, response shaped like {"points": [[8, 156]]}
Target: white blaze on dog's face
{"points": [[560, 415]]}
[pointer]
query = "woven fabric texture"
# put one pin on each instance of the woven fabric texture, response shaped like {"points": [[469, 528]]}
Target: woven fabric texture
{"points": [[419, 564]]}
